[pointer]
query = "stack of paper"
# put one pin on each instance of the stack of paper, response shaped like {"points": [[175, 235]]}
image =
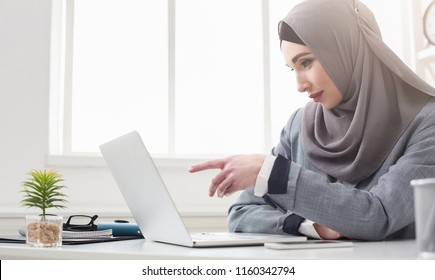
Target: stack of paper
{"points": [[107, 233]]}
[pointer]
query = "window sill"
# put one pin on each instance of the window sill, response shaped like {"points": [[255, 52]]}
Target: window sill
{"points": [[97, 161]]}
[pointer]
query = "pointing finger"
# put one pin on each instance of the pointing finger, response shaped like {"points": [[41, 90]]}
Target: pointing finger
{"points": [[212, 164]]}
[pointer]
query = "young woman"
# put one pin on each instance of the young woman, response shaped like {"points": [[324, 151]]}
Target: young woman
{"points": [[344, 161]]}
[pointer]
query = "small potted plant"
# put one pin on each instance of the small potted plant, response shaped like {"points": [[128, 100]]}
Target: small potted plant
{"points": [[43, 190]]}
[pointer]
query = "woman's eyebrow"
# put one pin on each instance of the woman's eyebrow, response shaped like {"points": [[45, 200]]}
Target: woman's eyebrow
{"points": [[296, 57]]}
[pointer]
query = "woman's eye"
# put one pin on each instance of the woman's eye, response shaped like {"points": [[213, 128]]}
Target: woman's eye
{"points": [[306, 63]]}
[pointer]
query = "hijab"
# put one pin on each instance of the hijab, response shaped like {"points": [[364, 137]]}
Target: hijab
{"points": [[381, 95]]}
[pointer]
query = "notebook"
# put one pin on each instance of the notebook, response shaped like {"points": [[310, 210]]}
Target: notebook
{"points": [[152, 206]]}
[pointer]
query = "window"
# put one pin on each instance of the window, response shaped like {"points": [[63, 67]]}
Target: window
{"points": [[218, 77], [119, 67], [194, 77]]}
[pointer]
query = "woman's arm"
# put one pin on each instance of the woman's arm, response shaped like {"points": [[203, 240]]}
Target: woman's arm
{"points": [[252, 214], [384, 206], [373, 210]]}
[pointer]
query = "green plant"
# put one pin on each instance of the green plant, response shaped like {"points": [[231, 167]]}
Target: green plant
{"points": [[43, 190]]}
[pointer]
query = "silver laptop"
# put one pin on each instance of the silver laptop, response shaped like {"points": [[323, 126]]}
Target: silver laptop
{"points": [[151, 204]]}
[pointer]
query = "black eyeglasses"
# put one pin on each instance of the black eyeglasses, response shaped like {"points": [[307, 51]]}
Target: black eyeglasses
{"points": [[80, 223]]}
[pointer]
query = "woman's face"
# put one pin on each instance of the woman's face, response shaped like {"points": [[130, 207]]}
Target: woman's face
{"points": [[310, 75]]}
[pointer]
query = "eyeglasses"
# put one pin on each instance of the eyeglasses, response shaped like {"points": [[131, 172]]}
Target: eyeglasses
{"points": [[80, 223]]}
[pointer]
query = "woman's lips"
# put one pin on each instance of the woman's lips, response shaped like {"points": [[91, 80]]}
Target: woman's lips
{"points": [[316, 96]]}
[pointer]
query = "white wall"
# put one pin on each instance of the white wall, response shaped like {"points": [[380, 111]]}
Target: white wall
{"points": [[24, 123], [24, 85]]}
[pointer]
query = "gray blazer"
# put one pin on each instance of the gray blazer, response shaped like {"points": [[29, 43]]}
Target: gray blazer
{"points": [[380, 207]]}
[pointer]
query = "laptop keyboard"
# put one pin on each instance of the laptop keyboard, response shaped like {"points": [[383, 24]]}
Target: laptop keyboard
{"points": [[220, 236]]}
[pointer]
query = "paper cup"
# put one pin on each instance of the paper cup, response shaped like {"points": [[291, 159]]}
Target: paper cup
{"points": [[424, 203]]}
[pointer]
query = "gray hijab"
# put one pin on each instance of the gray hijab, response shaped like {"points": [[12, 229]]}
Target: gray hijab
{"points": [[381, 95]]}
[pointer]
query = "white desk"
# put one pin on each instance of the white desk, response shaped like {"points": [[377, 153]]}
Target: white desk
{"points": [[141, 249]]}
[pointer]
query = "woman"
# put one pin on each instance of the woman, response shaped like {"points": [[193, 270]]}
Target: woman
{"points": [[344, 161]]}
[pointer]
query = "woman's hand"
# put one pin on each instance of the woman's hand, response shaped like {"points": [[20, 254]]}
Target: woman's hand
{"points": [[237, 173], [326, 233]]}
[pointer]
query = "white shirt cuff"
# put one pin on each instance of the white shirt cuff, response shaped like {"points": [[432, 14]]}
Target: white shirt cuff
{"points": [[261, 185], [307, 229]]}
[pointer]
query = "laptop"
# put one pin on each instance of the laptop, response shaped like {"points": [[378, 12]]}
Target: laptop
{"points": [[152, 206]]}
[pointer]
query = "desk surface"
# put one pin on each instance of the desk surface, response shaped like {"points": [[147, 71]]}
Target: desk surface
{"points": [[141, 249]]}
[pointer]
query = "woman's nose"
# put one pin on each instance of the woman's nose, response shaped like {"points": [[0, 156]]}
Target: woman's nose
{"points": [[302, 84]]}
